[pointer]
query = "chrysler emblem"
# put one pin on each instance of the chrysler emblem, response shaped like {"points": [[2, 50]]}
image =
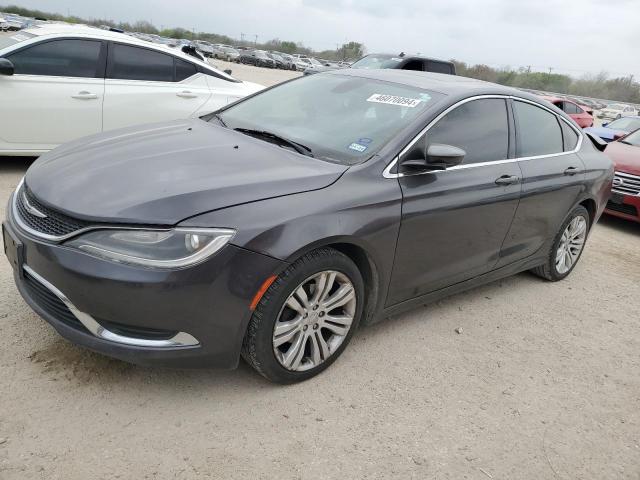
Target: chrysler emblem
{"points": [[30, 208]]}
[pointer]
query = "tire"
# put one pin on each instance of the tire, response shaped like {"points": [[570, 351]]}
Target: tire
{"points": [[551, 270], [261, 347]]}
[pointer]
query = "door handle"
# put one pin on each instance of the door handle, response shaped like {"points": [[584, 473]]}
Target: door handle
{"points": [[84, 95], [571, 171], [187, 94], [507, 180]]}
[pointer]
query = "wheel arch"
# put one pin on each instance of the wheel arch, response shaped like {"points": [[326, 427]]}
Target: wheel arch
{"points": [[364, 260]]}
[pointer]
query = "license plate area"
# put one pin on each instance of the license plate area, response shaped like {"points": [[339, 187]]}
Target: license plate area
{"points": [[13, 249]]}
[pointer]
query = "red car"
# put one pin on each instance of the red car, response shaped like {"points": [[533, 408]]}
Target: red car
{"points": [[581, 114], [625, 192]]}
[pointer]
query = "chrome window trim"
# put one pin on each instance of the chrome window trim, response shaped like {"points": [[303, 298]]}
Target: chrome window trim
{"points": [[387, 171], [180, 339]]}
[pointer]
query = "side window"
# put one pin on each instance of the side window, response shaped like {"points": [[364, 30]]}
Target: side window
{"points": [[59, 58], [413, 65], [134, 63], [479, 127], [570, 108], [570, 137], [184, 70], [538, 131], [439, 67]]}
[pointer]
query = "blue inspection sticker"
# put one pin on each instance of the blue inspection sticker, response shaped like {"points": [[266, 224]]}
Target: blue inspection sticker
{"points": [[357, 147]]}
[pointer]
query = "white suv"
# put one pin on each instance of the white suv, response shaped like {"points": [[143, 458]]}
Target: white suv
{"points": [[61, 82]]}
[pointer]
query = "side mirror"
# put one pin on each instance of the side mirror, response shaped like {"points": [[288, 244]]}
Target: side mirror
{"points": [[228, 71], [6, 67], [437, 157], [441, 157]]}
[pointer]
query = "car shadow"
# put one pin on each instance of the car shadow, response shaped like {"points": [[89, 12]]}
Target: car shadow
{"points": [[75, 365], [15, 165]]}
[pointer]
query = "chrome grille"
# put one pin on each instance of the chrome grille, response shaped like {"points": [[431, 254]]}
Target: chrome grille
{"points": [[41, 220], [626, 183]]}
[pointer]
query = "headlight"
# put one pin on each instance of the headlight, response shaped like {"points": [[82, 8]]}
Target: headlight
{"points": [[177, 248]]}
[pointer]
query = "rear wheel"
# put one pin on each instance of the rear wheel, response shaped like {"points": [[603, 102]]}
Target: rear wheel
{"points": [[567, 246], [306, 318]]}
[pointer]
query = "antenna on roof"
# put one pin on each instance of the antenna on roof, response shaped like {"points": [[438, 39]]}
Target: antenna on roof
{"points": [[114, 29], [401, 54]]}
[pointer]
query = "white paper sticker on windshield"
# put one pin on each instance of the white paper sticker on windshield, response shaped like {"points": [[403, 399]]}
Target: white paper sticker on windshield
{"points": [[394, 100]]}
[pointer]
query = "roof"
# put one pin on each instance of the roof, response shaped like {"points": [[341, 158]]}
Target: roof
{"points": [[436, 82], [64, 29]]}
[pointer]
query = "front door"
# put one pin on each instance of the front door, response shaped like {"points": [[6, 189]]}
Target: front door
{"points": [[454, 221], [54, 96]]}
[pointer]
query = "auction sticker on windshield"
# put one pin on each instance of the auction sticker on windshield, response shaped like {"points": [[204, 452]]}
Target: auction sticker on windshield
{"points": [[394, 100]]}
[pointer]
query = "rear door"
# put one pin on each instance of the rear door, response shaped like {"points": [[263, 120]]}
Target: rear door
{"points": [[55, 94], [454, 221], [144, 85], [553, 178]]}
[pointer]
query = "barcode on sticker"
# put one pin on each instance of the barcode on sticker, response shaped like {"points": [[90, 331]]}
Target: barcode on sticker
{"points": [[394, 100]]}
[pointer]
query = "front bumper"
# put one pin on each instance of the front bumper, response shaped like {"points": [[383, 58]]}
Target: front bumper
{"points": [[194, 317]]}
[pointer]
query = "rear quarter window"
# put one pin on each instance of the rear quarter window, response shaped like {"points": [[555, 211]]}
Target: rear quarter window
{"points": [[538, 131]]}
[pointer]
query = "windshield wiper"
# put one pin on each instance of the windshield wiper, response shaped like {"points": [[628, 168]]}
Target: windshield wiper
{"points": [[298, 147], [219, 118]]}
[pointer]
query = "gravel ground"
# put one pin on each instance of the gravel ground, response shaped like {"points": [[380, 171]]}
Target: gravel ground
{"points": [[542, 382]]}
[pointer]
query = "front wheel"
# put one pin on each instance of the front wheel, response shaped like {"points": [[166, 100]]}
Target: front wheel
{"points": [[306, 318], [567, 246]]}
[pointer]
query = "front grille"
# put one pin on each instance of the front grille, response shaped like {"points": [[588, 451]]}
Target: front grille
{"points": [[49, 302], [622, 208], [54, 223], [626, 183]]}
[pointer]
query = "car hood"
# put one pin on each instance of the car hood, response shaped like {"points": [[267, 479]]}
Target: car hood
{"points": [[604, 132], [625, 157], [161, 174]]}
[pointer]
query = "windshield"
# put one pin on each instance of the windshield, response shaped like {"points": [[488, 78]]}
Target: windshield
{"points": [[261, 54], [616, 106], [341, 119], [7, 41], [314, 61], [632, 139], [377, 61], [625, 124]]}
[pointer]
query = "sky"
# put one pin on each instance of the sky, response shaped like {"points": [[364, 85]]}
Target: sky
{"points": [[574, 37]]}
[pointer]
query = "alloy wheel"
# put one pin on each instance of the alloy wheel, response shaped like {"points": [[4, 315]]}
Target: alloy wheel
{"points": [[314, 320], [571, 244]]}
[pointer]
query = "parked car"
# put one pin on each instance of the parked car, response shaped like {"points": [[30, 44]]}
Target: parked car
{"points": [[617, 110], [280, 63], [259, 58], [288, 60], [625, 192], [581, 116], [275, 232], [616, 129], [402, 61], [205, 47], [229, 54], [57, 84]]}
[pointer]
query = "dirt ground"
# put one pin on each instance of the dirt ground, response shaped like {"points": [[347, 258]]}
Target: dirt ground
{"points": [[542, 382]]}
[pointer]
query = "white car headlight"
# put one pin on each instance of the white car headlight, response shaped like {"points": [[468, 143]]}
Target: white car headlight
{"points": [[176, 248]]}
